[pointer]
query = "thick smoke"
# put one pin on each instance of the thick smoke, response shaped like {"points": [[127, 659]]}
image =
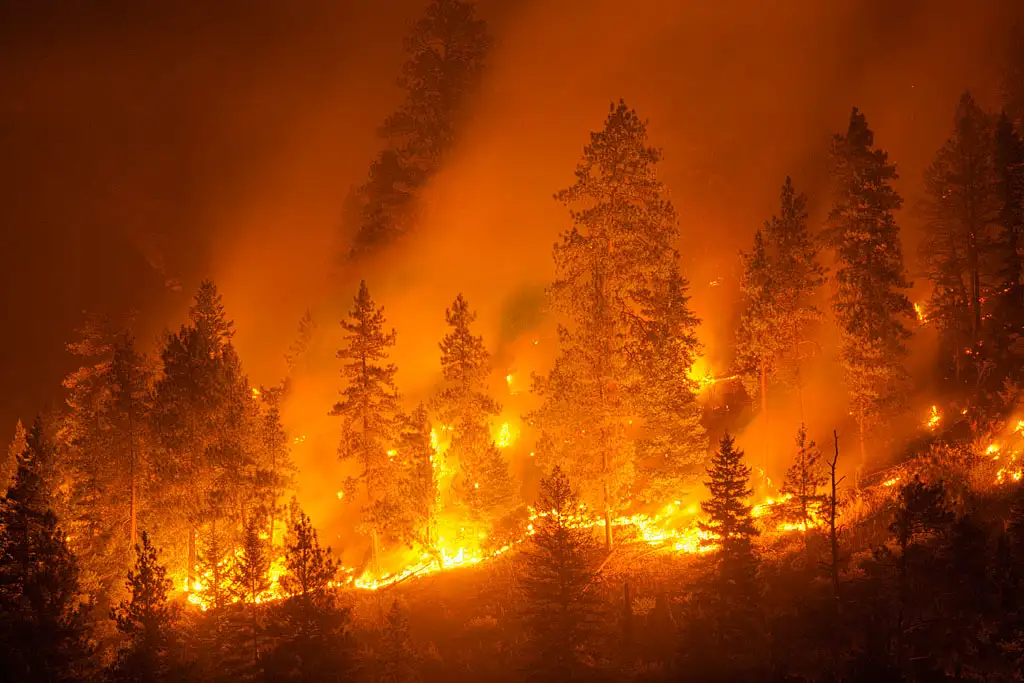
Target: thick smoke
{"points": [[257, 123]]}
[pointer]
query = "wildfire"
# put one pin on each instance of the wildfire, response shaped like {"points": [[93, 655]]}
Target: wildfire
{"points": [[922, 316], [505, 436]]}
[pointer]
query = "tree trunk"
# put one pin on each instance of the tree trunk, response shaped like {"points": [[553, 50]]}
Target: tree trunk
{"points": [[863, 454], [627, 615], [833, 535], [190, 574], [764, 411], [607, 509]]}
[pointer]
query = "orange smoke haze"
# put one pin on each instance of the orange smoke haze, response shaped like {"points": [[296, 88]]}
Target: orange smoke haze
{"points": [[738, 95]]}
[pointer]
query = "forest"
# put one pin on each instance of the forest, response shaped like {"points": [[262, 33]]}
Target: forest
{"points": [[640, 520]]}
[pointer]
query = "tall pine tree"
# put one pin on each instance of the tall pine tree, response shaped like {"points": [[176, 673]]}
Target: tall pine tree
{"points": [[464, 406], [445, 54], [869, 300], [629, 338], [780, 276], [370, 419], [962, 210], [106, 433], [201, 416]]}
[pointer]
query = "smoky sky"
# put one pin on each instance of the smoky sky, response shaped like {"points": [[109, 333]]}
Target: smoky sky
{"points": [[143, 145]]}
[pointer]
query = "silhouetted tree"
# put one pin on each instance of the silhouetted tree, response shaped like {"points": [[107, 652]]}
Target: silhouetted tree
{"points": [[869, 302], [560, 611], [962, 208], [146, 621], [445, 54], [311, 629], [43, 628], [397, 660]]}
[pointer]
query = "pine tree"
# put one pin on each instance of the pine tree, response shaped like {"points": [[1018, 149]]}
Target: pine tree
{"points": [[804, 481], [780, 277], [962, 211], [272, 466], [730, 525], [673, 443], [1008, 310], [14, 451], [250, 576], [370, 413], [445, 58], [213, 564], [107, 436], [397, 660], [560, 611], [201, 415], [299, 349], [618, 285], [869, 303], [418, 458], [464, 406], [313, 643], [43, 628], [146, 620]]}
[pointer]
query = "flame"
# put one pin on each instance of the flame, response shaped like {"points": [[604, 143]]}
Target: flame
{"points": [[255, 392], [922, 316], [505, 436], [934, 418]]}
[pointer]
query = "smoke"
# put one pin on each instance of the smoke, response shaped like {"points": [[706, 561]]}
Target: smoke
{"points": [[223, 143]]}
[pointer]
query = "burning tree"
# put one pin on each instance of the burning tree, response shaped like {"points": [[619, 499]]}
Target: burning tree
{"points": [[560, 612], [620, 290], [417, 454], [14, 450], [249, 576], [780, 276], [962, 209], [445, 59], [464, 406], [201, 410], [869, 302], [369, 412], [804, 480], [145, 620], [42, 620], [106, 432]]}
